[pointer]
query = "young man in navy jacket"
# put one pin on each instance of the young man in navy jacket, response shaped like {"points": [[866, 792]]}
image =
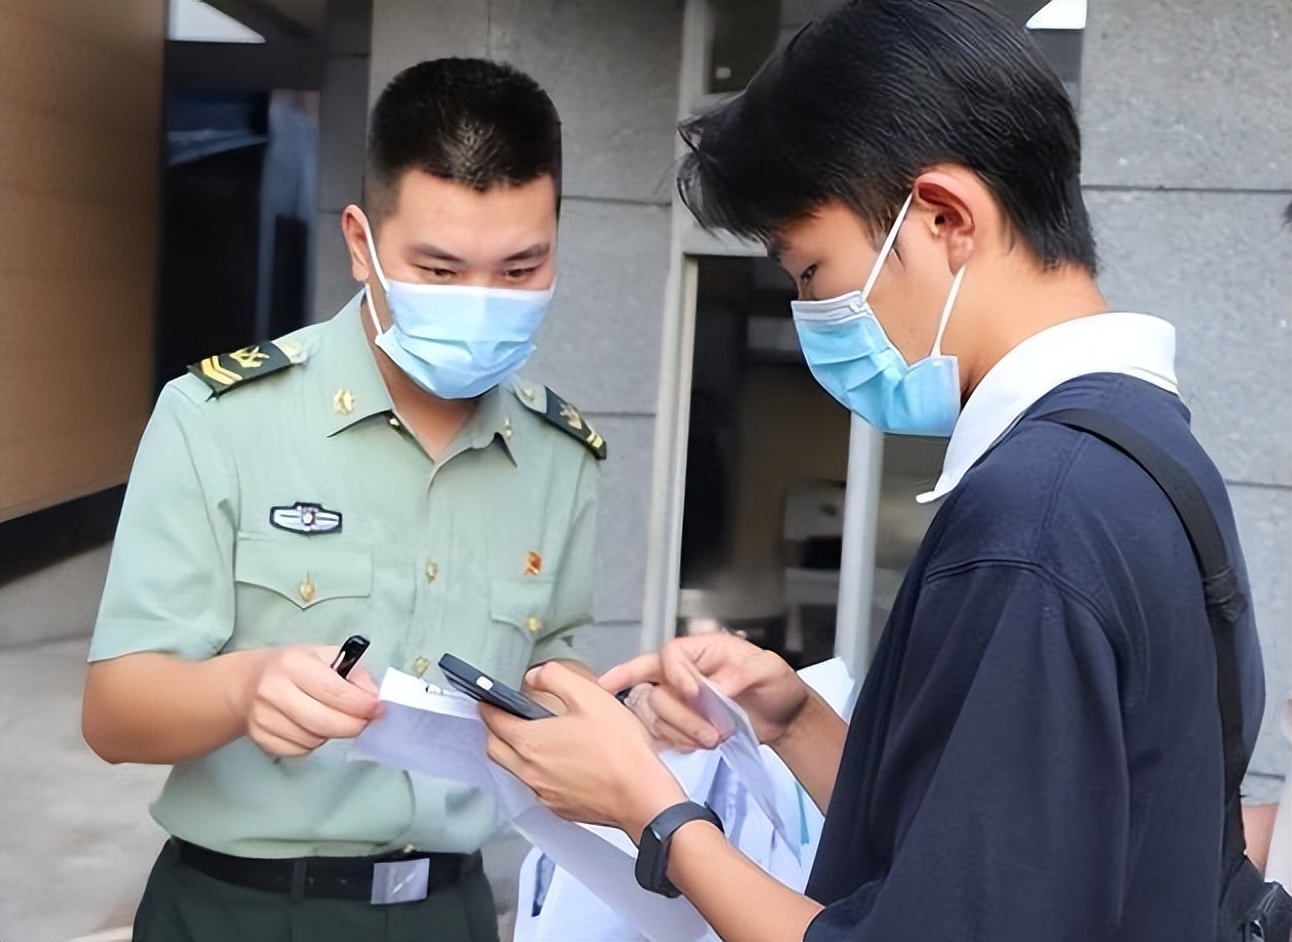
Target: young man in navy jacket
{"points": [[1036, 752]]}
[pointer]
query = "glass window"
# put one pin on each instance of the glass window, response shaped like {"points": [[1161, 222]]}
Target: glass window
{"points": [[742, 34]]}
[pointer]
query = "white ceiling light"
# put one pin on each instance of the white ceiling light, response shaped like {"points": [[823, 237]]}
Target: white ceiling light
{"points": [[197, 22], [1060, 14]]}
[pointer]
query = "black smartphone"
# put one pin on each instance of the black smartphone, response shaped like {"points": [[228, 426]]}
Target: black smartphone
{"points": [[349, 654], [480, 686]]}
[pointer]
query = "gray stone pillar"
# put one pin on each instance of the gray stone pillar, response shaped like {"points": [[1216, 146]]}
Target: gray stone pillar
{"points": [[343, 123], [1186, 112]]}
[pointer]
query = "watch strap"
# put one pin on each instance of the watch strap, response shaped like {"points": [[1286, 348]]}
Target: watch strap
{"points": [[652, 852]]}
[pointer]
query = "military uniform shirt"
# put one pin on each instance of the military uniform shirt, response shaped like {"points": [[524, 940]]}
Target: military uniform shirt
{"points": [[299, 510]]}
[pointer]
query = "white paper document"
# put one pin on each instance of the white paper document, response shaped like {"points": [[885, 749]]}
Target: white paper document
{"points": [[440, 735], [741, 750], [553, 906]]}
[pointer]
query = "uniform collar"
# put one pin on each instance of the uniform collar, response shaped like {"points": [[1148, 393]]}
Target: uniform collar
{"points": [[352, 388], [1131, 344], [491, 420]]}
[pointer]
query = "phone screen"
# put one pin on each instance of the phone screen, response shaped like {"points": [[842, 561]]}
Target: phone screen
{"points": [[480, 686]]}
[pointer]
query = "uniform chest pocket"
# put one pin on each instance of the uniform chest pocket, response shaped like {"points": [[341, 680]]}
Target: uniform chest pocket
{"points": [[305, 571], [522, 614], [525, 604]]}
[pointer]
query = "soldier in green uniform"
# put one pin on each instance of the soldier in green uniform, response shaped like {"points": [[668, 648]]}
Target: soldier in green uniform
{"points": [[384, 473]]}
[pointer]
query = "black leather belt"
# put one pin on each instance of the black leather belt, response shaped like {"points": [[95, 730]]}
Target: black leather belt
{"points": [[318, 877]]}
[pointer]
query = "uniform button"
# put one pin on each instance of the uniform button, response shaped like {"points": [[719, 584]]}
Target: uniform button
{"points": [[343, 401], [533, 624], [307, 589], [527, 394], [395, 423], [432, 571], [421, 666], [506, 430]]}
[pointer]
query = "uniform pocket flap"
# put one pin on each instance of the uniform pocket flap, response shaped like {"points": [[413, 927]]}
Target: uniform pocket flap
{"points": [[525, 604], [305, 570]]}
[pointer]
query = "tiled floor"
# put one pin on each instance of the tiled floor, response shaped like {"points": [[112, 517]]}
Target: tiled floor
{"points": [[76, 840]]}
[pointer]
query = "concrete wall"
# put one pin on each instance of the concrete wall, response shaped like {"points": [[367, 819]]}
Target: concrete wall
{"points": [[1186, 112], [611, 66], [343, 124]]}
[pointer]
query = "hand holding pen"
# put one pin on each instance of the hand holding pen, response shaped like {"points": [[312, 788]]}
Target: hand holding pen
{"points": [[305, 695]]}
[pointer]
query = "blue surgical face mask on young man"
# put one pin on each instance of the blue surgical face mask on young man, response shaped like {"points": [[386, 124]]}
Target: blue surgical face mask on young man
{"points": [[851, 356], [456, 341]]}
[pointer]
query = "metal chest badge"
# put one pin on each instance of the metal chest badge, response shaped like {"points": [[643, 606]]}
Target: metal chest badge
{"points": [[307, 518]]}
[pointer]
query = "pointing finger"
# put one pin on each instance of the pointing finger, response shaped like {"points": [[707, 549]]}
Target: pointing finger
{"points": [[640, 670], [568, 686], [679, 671]]}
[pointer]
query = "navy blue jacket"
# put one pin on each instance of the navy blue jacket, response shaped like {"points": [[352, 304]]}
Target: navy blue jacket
{"points": [[1036, 750]]}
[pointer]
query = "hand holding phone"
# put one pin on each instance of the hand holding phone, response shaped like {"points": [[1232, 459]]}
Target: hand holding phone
{"points": [[480, 686]]}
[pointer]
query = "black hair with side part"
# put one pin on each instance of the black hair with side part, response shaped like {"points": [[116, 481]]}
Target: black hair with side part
{"points": [[865, 99], [479, 123]]}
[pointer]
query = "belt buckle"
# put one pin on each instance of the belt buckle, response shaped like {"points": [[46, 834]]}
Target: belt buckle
{"points": [[400, 881]]}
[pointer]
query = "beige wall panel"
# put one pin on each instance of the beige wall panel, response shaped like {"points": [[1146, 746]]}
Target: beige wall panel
{"points": [[80, 118]]}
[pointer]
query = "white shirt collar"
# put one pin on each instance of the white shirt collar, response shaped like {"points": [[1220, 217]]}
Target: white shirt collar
{"points": [[1133, 344]]}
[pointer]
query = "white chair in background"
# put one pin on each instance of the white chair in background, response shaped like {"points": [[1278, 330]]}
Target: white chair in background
{"points": [[812, 511]]}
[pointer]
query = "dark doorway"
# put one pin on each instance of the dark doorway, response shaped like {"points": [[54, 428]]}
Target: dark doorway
{"points": [[240, 181]]}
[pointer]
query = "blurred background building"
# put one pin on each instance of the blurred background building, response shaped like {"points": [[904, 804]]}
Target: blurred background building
{"points": [[172, 174]]}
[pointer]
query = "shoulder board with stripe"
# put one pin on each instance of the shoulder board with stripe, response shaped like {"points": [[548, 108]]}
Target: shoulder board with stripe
{"points": [[229, 370], [555, 410]]}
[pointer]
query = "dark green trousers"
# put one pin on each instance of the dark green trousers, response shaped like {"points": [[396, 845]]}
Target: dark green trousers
{"points": [[182, 905]]}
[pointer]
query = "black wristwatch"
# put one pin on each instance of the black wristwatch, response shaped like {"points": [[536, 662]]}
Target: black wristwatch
{"points": [[652, 850]]}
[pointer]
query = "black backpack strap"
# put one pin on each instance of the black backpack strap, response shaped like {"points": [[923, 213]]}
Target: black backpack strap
{"points": [[1224, 596]]}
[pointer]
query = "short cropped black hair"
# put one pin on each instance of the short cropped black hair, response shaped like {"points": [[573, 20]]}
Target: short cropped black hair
{"points": [[865, 99], [475, 122]]}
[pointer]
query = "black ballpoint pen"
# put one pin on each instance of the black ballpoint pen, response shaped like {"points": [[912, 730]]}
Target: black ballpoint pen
{"points": [[349, 654]]}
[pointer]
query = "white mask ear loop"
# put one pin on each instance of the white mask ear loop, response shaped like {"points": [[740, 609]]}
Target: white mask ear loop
{"points": [[946, 310], [381, 276], [887, 247]]}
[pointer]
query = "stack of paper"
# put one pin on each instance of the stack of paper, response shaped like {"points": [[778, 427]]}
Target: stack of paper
{"points": [[440, 735]]}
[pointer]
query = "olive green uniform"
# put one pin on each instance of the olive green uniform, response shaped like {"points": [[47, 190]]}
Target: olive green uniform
{"points": [[277, 499]]}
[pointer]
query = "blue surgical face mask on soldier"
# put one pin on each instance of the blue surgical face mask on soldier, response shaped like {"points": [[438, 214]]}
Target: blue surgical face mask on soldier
{"points": [[851, 356], [456, 341]]}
